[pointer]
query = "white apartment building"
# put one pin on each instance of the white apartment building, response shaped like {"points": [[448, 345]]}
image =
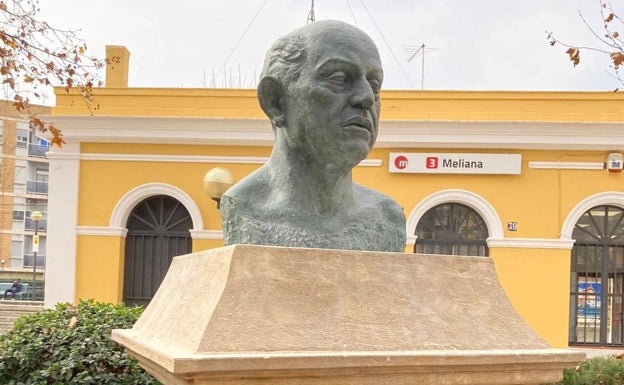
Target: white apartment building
{"points": [[23, 189]]}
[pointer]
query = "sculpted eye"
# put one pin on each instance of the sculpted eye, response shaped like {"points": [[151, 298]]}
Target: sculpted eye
{"points": [[338, 77], [376, 87]]}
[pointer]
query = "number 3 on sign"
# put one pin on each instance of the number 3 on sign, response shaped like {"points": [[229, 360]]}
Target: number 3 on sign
{"points": [[512, 226]]}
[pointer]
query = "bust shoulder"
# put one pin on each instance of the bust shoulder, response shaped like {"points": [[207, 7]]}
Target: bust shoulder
{"points": [[375, 222], [385, 214], [254, 186], [370, 198], [243, 208]]}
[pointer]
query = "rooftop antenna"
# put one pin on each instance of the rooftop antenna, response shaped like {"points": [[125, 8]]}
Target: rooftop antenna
{"points": [[311, 17], [415, 51]]}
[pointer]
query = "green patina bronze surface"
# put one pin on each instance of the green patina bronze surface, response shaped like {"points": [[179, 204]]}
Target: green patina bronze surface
{"points": [[320, 89]]}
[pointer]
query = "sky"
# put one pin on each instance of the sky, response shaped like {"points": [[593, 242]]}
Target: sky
{"points": [[471, 45]]}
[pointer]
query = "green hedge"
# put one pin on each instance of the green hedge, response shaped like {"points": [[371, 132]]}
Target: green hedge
{"points": [[70, 345], [596, 371]]}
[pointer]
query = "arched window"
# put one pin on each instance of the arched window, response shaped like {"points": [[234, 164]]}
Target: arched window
{"points": [[453, 229], [597, 279], [158, 230]]}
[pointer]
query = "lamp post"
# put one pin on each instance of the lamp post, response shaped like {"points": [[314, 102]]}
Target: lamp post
{"points": [[216, 182], [35, 216]]}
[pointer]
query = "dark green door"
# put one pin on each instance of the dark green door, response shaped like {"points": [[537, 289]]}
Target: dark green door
{"points": [[158, 230]]}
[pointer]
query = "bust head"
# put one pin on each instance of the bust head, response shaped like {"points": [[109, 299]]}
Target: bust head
{"points": [[320, 89]]}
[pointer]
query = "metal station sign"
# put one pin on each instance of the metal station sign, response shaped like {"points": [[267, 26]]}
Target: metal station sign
{"points": [[455, 163]]}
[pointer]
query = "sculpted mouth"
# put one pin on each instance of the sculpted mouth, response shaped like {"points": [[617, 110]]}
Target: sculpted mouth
{"points": [[360, 123]]}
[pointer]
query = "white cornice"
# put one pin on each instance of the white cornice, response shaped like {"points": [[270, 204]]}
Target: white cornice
{"points": [[169, 158], [102, 231], [519, 243], [502, 135], [392, 133], [206, 234], [106, 231], [181, 158], [531, 243], [174, 130]]}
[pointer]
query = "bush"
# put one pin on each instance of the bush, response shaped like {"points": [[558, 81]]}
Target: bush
{"points": [[70, 345], [596, 371]]}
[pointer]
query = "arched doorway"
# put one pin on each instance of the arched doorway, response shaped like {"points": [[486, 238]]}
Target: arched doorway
{"points": [[453, 229], [158, 230], [597, 277]]}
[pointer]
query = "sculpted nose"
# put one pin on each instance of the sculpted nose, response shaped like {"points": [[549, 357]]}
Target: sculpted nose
{"points": [[363, 96]]}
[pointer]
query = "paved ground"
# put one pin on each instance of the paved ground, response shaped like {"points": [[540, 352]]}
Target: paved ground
{"points": [[11, 309]]}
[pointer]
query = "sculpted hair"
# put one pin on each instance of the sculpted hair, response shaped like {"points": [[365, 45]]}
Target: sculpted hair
{"points": [[283, 61]]}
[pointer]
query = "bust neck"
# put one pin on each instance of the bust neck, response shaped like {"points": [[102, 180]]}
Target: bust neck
{"points": [[322, 186]]}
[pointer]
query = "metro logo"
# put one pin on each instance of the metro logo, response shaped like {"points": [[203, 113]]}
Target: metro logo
{"points": [[400, 162], [431, 162]]}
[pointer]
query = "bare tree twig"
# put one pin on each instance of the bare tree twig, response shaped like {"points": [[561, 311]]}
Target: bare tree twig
{"points": [[34, 55], [611, 40]]}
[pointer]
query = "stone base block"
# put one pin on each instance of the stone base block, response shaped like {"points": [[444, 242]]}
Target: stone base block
{"points": [[248, 315]]}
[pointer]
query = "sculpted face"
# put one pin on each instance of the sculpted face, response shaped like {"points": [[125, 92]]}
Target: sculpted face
{"points": [[332, 109]]}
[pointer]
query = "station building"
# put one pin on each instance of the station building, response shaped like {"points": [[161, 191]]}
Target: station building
{"points": [[531, 180]]}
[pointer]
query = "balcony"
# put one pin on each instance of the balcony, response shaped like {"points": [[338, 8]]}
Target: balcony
{"points": [[37, 151], [29, 225], [36, 187], [29, 258]]}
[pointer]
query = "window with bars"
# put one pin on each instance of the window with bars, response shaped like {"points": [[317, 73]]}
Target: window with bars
{"points": [[597, 278], [452, 229]]}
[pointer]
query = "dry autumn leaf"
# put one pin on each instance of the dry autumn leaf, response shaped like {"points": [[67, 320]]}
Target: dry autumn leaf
{"points": [[574, 54], [617, 58], [608, 41]]}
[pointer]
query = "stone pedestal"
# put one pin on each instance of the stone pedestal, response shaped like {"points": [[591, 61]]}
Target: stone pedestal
{"points": [[243, 315]]}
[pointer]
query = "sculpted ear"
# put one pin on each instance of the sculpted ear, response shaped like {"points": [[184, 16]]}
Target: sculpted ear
{"points": [[270, 94]]}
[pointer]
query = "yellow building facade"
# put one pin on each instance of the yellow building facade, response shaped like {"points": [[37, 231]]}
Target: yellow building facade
{"points": [[553, 148]]}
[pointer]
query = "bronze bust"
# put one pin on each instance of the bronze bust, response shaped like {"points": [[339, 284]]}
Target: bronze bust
{"points": [[320, 87]]}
